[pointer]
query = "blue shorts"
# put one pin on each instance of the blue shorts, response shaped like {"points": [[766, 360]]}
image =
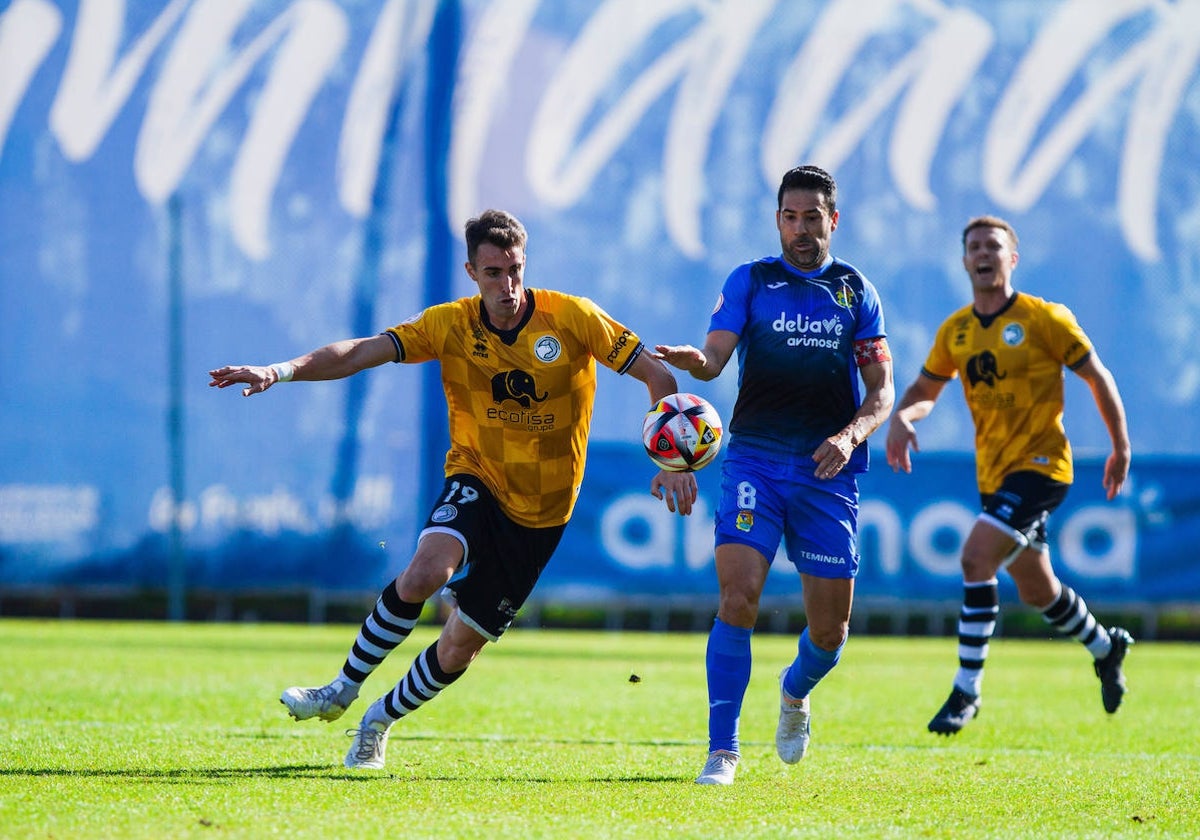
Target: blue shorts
{"points": [[766, 499]]}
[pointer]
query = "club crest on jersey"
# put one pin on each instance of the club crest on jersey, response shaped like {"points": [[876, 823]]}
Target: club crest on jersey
{"points": [[845, 297], [444, 513], [547, 348], [1013, 334]]}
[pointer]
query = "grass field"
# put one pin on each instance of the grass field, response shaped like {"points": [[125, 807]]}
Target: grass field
{"points": [[147, 730]]}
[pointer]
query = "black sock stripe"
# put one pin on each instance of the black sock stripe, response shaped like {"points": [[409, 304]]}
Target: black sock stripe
{"points": [[384, 624], [425, 692], [981, 596], [1062, 607], [401, 609], [369, 658], [436, 674], [374, 638]]}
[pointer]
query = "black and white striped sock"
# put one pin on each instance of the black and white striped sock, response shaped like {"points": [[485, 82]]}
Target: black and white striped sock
{"points": [[976, 624], [424, 681], [384, 629], [1070, 616]]}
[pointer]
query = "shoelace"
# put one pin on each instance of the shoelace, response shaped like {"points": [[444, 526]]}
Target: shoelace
{"points": [[795, 720], [322, 696], [368, 742], [717, 763]]}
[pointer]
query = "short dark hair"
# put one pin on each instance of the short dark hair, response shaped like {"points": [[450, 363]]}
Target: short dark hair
{"points": [[496, 227], [808, 178], [990, 222]]}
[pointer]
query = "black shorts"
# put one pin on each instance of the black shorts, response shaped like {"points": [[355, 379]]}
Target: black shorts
{"points": [[1024, 502], [501, 559]]}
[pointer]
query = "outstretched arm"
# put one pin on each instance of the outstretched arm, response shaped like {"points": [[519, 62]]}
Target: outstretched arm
{"points": [[915, 405], [1112, 411], [333, 361], [703, 364], [659, 380]]}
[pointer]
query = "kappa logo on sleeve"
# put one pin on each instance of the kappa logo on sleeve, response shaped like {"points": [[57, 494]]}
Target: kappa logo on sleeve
{"points": [[619, 345]]}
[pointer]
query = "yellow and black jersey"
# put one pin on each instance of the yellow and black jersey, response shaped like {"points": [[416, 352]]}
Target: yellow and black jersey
{"points": [[1011, 366], [520, 400]]}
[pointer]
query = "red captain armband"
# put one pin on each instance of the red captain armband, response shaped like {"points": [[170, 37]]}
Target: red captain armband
{"points": [[871, 351]]}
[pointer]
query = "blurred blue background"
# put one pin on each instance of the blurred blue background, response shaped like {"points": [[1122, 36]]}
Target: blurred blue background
{"points": [[199, 182]]}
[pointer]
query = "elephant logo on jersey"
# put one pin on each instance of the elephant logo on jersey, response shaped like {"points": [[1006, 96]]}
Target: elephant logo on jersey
{"points": [[515, 385], [982, 368]]}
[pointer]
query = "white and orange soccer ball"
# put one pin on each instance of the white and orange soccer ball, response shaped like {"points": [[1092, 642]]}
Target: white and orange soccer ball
{"points": [[682, 432]]}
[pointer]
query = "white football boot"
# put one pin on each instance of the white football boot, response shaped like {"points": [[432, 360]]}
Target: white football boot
{"points": [[719, 768], [327, 702], [369, 749], [791, 736]]}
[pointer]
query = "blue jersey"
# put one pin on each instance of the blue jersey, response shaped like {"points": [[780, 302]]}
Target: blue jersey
{"points": [[798, 382]]}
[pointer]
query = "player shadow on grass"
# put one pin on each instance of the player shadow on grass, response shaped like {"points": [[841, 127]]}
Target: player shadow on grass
{"points": [[396, 737], [310, 771], [181, 774], [403, 772]]}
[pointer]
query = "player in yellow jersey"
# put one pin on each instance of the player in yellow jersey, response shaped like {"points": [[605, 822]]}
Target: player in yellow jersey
{"points": [[1009, 349], [518, 367]]}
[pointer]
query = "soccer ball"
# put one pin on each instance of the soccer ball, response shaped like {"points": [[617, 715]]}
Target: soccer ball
{"points": [[682, 432]]}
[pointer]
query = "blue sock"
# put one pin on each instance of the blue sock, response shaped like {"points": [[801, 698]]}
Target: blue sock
{"points": [[727, 662], [810, 665]]}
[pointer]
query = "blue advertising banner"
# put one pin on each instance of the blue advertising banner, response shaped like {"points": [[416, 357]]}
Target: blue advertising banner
{"points": [[623, 541], [190, 183]]}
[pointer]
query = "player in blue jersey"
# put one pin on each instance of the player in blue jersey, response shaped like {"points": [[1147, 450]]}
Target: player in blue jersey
{"points": [[814, 380]]}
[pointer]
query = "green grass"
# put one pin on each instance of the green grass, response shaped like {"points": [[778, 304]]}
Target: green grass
{"points": [[160, 730]]}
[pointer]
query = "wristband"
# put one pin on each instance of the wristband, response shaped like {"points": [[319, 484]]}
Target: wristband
{"points": [[284, 370]]}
